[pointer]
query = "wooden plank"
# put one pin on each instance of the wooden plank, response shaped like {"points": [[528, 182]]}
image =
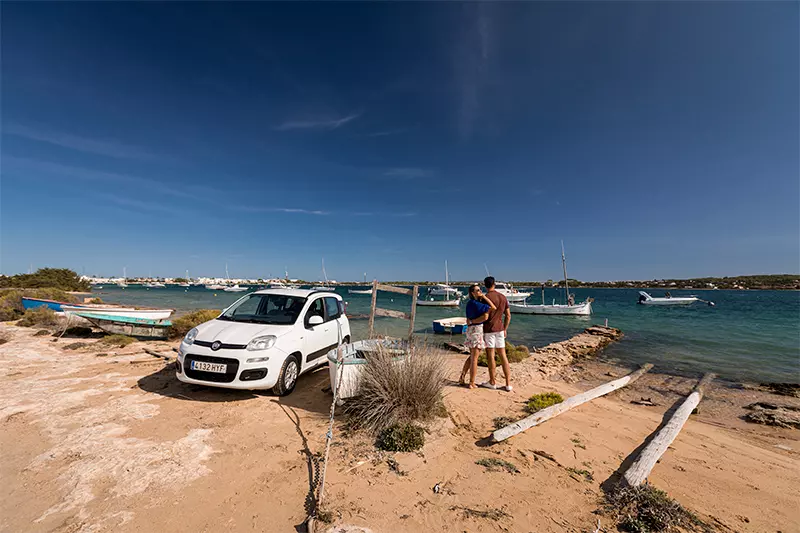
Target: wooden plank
{"points": [[379, 311], [390, 288], [372, 309], [414, 295], [573, 401], [641, 468]]}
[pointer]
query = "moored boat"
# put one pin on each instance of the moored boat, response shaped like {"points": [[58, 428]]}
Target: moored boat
{"points": [[154, 285], [455, 325], [143, 328], [235, 288], [359, 291], [581, 309], [438, 303], [646, 299], [511, 294]]}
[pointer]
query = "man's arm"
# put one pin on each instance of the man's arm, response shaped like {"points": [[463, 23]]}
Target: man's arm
{"points": [[506, 319]]}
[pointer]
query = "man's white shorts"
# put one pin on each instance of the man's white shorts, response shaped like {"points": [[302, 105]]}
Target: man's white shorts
{"points": [[495, 340]]}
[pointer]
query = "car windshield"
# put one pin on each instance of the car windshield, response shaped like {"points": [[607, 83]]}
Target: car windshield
{"points": [[265, 309]]}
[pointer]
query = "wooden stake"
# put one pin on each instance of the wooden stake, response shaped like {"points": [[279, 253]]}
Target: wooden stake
{"points": [[414, 296], [574, 401], [641, 468], [372, 312]]}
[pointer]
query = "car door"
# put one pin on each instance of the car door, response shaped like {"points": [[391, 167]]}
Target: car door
{"points": [[317, 340]]}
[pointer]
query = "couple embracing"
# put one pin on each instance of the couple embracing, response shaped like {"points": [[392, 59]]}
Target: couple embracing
{"points": [[488, 317]]}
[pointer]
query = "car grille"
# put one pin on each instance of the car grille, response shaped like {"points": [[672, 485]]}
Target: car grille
{"points": [[227, 377], [222, 345]]}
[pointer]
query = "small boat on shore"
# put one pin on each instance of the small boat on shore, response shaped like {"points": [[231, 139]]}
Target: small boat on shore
{"points": [[646, 299], [143, 328], [129, 312], [354, 357], [33, 303], [454, 325]]}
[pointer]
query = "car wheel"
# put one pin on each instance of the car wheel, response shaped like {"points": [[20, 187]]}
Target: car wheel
{"points": [[287, 379]]}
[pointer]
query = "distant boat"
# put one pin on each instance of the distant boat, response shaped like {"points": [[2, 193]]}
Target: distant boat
{"points": [[325, 286], [186, 283], [646, 299], [511, 294], [154, 285], [235, 288], [454, 325], [215, 287], [359, 291], [152, 314], [143, 328], [124, 283], [568, 308], [451, 295]]}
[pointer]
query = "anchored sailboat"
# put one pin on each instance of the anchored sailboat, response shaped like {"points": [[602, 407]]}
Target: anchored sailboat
{"points": [[451, 294]]}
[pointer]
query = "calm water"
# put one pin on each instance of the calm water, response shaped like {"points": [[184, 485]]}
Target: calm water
{"points": [[749, 335]]}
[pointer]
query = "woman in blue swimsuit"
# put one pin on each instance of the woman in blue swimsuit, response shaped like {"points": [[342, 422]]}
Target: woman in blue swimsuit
{"points": [[478, 308]]}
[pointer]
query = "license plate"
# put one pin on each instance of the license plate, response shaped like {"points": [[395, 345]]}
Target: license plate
{"points": [[209, 367]]}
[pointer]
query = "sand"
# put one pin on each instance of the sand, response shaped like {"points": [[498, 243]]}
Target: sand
{"points": [[93, 443]]}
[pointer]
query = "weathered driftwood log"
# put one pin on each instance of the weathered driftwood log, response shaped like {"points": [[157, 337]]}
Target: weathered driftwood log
{"points": [[641, 468], [573, 401]]}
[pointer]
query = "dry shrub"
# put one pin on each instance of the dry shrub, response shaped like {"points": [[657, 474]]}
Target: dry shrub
{"points": [[396, 390], [537, 402], [515, 354], [41, 316], [646, 509], [116, 340], [11, 300], [401, 438], [182, 325], [493, 464]]}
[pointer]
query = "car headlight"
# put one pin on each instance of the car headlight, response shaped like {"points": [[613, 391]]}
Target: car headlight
{"points": [[191, 336], [261, 343]]}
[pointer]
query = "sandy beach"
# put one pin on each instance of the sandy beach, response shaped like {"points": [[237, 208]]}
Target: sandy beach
{"points": [[98, 440]]}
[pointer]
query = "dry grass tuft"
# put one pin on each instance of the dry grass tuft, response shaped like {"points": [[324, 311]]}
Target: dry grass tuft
{"points": [[537, 402], [401, 438], [116, 340], [515, 354], [182, 325], [41, 316], [398, 390], [646, 509], [493, 464], [503, 421], [491, 514]]}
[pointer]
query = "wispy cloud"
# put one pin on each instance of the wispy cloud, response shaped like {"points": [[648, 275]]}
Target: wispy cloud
{"points": [[386, 133], [408, 173], [104, 147], [140, 205], [326, 123], [471, 62], [297, 210], [137, 182]]}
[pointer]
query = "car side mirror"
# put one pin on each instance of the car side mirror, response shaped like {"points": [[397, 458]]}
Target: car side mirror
{"points": [[315, 320]]}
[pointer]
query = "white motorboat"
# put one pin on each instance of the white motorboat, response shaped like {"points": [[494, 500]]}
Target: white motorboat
{"points": [[235, 288], [154, 285], [215, 287], [452, 297], [581, 309], [511, 294], [359, 291], [152, 314], [646, 299]]}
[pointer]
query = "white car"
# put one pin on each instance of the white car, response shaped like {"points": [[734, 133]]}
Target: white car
{"points": [[265, 340]]}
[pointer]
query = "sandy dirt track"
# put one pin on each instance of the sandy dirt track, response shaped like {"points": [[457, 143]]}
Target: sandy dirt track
{"points": [[95, 443]]}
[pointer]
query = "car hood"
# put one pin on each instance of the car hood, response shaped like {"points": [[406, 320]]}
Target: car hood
{"points": [[237, 332]]}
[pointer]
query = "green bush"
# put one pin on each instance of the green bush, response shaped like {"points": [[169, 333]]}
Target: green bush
{"points": [[401, 438], [537, 402], [182, 325], [41, 316], [515, 354], [59, 278], [494, 464], [116, 340]]}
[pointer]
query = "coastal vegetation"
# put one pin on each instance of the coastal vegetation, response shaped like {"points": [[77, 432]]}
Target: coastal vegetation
{"points": [[537, 402], [515, 354], [182, 325], [494, 464], [401, 438], [56, 278], [646, 509], [11, 300], [116, 340], [395, 391], [41, 316]]}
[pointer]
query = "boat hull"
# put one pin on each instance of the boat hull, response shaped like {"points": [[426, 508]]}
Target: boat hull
{"points": [[352, 291], [455, 326], [438, 303], [353, 361], [151, 314], [516, 296], [584, 309], [132, 327], [669, 301], [34, 303]]}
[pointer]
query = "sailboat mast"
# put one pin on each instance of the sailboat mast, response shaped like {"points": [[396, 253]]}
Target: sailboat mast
{"points": [[324, 274], [564, 264], [446, 281]]}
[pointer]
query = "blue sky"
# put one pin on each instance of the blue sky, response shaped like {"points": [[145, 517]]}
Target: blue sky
{"points": [[657, 139]]}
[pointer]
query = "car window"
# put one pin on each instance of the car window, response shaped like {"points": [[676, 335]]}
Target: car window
{"points": [[332, 308], [265, 309], [316, 309]]}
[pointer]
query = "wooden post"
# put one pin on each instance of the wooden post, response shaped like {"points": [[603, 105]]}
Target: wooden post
{"points": [[372, 311], [414, 295], [573, 401], [641, 468]]}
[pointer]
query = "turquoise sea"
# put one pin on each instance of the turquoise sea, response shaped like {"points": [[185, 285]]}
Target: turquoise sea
{"points": [[747, 336]]}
